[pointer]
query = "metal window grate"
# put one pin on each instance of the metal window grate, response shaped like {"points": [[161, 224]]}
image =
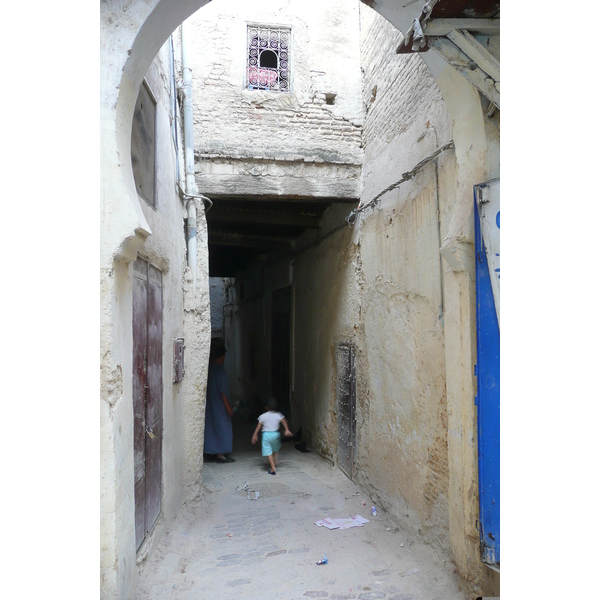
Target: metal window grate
{"points": [[268, 62], [346, 408]]}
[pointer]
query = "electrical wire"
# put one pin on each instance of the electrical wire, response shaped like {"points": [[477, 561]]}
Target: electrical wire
{"points": [[351, 218]]}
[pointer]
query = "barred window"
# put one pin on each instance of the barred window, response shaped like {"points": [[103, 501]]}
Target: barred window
{"points": [[268, 64]]}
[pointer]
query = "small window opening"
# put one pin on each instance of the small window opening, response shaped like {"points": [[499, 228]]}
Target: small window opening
{"points": [[268, 59], [330, 98]]}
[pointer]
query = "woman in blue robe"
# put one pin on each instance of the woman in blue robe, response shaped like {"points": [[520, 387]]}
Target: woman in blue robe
{"points": [[218, 433]]}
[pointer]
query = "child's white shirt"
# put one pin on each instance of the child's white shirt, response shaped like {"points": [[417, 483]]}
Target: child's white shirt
{"points": [[270, 420]]}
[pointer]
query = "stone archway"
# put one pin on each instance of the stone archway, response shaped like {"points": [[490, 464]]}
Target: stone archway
{"points": [[132, 34], [136, 31]]}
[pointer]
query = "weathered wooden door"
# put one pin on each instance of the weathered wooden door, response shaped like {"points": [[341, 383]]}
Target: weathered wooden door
{"points": [[346, 403], [147, 395]]}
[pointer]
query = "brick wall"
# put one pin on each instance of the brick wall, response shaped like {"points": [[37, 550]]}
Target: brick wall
{"points": [[405, 115], [295, 128]]}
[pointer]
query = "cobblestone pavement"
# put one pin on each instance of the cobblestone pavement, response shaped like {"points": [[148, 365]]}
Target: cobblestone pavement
{"points": [[225, 546]]}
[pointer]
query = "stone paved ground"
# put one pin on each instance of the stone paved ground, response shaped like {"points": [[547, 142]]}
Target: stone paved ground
{"points": [[228, 547]]}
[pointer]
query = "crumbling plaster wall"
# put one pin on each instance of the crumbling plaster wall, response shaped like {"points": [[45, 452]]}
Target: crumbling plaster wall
{"points": [[165, 249], [379, 286], [476, 159], [272, 143]]}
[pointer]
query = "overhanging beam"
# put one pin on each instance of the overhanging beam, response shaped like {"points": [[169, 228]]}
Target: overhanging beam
{"points": [[228, 215], [445, 26], [287, 198], [477, 52], [467, 68], [250, 241]]}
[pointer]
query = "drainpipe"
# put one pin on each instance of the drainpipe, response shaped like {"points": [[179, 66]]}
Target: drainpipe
{"points": [[188, 134]]}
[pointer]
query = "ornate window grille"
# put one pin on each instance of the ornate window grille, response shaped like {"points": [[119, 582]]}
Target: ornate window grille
{"points": [[268, 64]]}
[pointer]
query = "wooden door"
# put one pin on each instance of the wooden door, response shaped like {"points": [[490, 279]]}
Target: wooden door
{"points": [[147, 395]]}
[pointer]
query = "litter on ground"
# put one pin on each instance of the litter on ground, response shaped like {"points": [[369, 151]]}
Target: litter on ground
{"points": [[355, 521], [250, 494]]}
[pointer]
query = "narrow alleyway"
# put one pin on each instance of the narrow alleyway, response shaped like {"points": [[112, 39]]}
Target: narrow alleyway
{"points": [[226, 546]]}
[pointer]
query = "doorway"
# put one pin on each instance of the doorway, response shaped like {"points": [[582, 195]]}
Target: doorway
{"points": [[281, 310], [147, 396]]}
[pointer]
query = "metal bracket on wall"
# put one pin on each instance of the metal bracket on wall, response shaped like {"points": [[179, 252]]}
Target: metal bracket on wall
{"points": [[178, 364]]}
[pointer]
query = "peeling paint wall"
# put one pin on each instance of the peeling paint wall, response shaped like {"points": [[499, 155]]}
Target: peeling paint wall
{"points": [[184, 314], [402, 293]]}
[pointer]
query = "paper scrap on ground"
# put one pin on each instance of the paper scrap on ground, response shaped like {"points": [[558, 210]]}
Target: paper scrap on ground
{"points": [[355, 521], [250, 494]]}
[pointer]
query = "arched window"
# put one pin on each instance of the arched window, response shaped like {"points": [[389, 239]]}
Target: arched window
{"points": [[268, 58]]}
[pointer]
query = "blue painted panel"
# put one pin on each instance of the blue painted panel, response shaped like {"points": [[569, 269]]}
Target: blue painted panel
{"points": [[488, 403]]}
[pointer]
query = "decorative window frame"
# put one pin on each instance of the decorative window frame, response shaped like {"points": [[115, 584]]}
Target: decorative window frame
{"points": [[280, 41]]}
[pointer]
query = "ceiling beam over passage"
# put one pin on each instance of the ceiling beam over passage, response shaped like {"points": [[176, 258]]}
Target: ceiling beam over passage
{"points": [[241, 226], [262, 217], [285, 199], [256, 242]]}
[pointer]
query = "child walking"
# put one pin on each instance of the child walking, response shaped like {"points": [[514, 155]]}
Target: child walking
{"points": [[271, 440]]}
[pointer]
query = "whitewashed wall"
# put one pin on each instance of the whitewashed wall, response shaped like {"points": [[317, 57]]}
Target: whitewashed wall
{"points": [[185, 315]]}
